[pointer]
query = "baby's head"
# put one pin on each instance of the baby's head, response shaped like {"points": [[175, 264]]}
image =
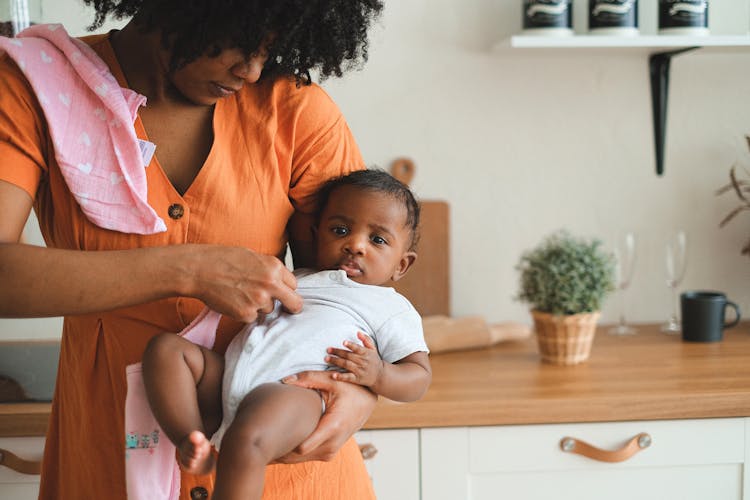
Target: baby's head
{"points": [[366, 225]]}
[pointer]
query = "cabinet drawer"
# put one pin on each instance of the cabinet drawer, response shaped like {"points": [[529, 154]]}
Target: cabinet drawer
{"points": [[673, 442], [28, 448], [394, 467], [687, 459]]}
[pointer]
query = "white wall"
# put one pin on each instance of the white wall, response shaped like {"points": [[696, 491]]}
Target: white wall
{"points": [[523, 142]]}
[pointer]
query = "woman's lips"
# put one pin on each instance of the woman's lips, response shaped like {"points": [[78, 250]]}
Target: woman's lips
{"points": [[223, 91]]}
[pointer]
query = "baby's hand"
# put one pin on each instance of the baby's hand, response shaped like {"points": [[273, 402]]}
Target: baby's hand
{"points": [[362, 363]]}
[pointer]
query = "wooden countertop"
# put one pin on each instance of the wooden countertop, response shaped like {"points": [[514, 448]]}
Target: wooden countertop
{"points": [[642, 377], [24, 419], [646, 376]]}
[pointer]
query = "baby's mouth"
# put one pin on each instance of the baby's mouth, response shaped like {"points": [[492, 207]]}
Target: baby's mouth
{"points": [[352, 269]]}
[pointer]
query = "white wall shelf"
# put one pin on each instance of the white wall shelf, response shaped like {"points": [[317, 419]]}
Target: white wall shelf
{"points": [[661, 49], [650, 42]]}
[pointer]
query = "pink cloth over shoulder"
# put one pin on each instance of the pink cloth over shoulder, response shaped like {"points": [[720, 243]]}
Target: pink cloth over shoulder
{"points": [[90, 120]]}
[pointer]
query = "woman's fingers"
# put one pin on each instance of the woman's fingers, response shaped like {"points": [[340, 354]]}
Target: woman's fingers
{"points": [[326, 432], [279, 284], [345, 377], [243, 284], [283, 287], [348, 406], [318, 380], [289, 298]]}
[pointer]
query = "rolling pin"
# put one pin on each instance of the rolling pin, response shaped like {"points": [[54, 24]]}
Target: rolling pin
{"points": [[443, 333]]}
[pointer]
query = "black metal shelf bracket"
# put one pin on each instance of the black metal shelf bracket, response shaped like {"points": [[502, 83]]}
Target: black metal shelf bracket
{"points": [[659, 70]]}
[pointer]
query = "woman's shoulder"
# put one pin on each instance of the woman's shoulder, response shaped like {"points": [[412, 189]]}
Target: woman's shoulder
{"points": [[20, 107], [11, 75], [288, 87], [291, 100]]}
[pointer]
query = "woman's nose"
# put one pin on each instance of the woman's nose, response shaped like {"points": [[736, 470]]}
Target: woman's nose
{"points": [[250, 69]]}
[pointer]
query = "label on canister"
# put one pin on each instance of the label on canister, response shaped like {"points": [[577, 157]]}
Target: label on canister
{"points": [[683, 14], [613, 14], [548, 14]]}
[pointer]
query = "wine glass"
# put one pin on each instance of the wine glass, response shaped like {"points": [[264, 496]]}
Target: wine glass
{"points": [[625, 258], [676, 262]]}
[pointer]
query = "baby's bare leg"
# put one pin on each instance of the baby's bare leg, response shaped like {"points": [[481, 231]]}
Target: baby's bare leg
{"points": [[270, 422], [183, 385]]}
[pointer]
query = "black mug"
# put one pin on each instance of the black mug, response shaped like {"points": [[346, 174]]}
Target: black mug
{"points": [[703, 315]]}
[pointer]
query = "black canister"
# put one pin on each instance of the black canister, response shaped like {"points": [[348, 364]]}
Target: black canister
{"points": [[613, 17], [683, 17], [548, 17]]}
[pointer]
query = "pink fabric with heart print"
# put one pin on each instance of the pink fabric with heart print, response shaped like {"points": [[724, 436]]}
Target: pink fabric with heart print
{"points": [[90, 120]]}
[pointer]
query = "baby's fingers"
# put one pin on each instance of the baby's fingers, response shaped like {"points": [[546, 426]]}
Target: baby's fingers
{"points": [[341, 353], [366, 340], [340, 362], [354, 347]]}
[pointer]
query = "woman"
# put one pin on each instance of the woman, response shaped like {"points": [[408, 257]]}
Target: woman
{"points": [[242, 140]]}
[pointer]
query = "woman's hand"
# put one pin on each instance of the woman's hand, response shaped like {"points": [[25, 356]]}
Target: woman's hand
{"points": [[348, 406], [240, 283]]}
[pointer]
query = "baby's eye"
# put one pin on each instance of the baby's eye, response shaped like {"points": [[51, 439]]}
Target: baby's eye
{"points": [[378, 240], [339, 230]]}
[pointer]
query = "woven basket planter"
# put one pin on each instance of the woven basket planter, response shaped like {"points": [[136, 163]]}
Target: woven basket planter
{"points": [[565, 340]]}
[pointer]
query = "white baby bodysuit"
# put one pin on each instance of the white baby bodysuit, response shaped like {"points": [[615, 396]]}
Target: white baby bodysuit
{"points": [[335, 309]]}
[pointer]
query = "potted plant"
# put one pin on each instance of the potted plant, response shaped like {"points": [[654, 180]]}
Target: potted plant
{"points": [[565, 280], [741, 188]]}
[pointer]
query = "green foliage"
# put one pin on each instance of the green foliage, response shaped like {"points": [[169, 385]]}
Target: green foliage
{"points": [[566, 275], [740, 187]]}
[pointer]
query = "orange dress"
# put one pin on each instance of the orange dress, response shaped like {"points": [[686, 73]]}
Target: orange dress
{"points": [[273, 145]]}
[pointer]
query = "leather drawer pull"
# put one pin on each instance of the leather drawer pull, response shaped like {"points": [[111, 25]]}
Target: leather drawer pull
{"points": [[18, 464], [636, 444]]}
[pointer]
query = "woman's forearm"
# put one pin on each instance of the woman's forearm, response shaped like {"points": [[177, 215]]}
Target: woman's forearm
{"points": [[39, 282], [234, 281]]}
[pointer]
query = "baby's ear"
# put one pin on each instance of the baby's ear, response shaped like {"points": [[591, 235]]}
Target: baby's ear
{"points": [[403, 265]]}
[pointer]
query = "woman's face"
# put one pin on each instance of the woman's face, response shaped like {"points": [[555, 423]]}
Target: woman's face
{"points": [[208, 79]]}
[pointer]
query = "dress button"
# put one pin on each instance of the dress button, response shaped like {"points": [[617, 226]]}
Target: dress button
{"points": [[334, 276], [176, 211], [198, 493]]}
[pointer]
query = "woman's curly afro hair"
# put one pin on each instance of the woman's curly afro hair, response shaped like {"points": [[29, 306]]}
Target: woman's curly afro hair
{"points": [[329, 36]]}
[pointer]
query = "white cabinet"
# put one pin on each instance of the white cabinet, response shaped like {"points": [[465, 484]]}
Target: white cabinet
{"points": [[394, 466], [687, 460], [16, 485]]}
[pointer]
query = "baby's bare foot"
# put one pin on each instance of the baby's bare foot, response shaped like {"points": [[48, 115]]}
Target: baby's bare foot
{"points": [[195, 455]]}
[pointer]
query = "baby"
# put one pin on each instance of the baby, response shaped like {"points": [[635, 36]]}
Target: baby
{"points": [[366, 232]]}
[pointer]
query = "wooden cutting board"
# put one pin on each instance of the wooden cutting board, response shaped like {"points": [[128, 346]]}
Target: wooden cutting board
{"points": [[427, 284]]}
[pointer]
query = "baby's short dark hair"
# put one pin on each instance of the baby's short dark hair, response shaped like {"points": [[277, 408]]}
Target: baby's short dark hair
{"points": [[378, 181]]}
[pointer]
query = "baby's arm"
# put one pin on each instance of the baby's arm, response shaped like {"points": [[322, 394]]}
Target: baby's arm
{"points": [[405, 380]]}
